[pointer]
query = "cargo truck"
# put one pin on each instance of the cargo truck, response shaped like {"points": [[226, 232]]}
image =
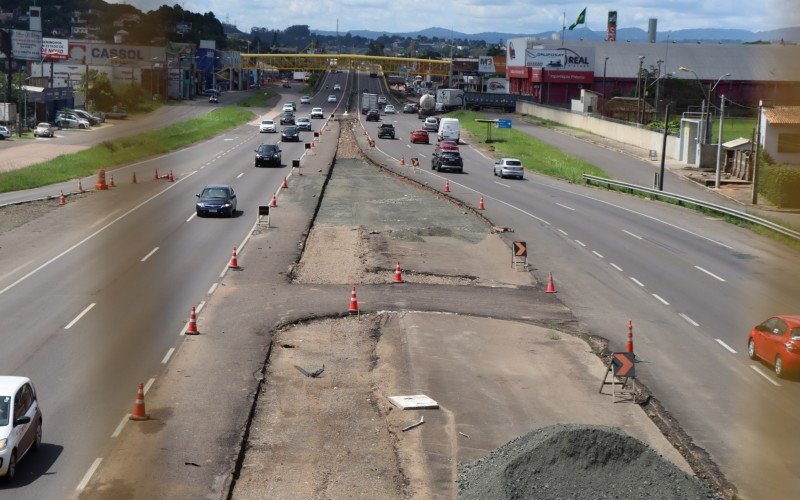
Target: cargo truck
{"points": [[368, 101], [449, 99]]}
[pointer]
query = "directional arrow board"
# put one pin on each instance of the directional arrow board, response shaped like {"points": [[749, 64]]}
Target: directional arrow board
{"points": [[623, 363], [520, 249]]}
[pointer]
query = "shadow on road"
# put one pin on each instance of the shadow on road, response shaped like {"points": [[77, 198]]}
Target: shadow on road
{"points": [[34, 465]]}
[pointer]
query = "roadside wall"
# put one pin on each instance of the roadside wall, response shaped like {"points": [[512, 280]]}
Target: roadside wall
{"points": [[621, 132]]}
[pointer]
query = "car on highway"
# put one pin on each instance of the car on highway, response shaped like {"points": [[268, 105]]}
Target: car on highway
{"points": [[386, 130], [267, 126], [420, 136], [20, 423], [290, 134], [382, 99], [268, 155], [293, 105], [446, 156], [336, 86], [409, 107], [4, 133], [331, 98], [777, 342], [509, 167], [285, 84], [216, 199], [431, 124], [287, 118], [288, 107], [317, 113], [213, 99], [389, 109], [44, 129], [306, 99], [303, 123], [373, 115]]}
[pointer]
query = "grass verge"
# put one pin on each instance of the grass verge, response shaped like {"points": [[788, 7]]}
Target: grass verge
{"points": [[125, 150], [535, 154], [257, 100]]}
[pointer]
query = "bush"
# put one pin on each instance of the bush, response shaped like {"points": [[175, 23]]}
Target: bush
{"points": [[780, 184]]}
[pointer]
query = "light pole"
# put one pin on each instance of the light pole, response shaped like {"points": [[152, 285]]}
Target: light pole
{"points": [[719, 141], [603, 109], [701, 132], [658, 85], [638, 81]]}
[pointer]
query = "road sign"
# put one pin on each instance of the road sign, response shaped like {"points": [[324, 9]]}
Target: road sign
{"points": [[520, 249], [623, 364], [503, 123]]}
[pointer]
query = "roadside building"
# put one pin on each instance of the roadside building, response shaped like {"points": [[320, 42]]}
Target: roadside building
{"points": [[780, 133]]}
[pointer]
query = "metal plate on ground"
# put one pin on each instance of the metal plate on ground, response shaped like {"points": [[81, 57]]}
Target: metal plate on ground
{"points": [[415, 402]]}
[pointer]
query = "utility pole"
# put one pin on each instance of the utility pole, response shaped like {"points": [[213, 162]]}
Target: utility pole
{"points": [[638, 81], [658, 83], [755, 159], [664, 148], [719, 140]]}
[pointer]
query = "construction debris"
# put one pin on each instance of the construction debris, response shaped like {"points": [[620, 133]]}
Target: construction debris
{"points": [[416, 424], [313, 374]]}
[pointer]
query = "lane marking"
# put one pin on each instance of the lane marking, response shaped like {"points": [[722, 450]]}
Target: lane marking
{"points": [[710, 273], [76, 245], [240, 175], [89, 474], [563, 232], [78, 317], [500, 183], [766, 376], [191, 217], [599, 255], [121, 425], [579, 242], [224, 270], [169, 354], [200, 306], [690, 320], [616, 267], [660, 299], [148, 385], [213, 287], [636, 281], [726, 346], [564, 206], [631, 234], [149, 254]]}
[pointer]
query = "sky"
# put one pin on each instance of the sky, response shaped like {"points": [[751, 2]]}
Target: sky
{"points": [[506, 16]]}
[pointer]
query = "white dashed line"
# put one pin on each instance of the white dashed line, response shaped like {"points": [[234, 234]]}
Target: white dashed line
{"points": [[200, 306], [616, 267], [149, 254], [89, 474], [148, 385], [660, 299], [636, 281], [761, 372], [688, 319], [563, 232], [599, 255], [78, 317], [579, 242], [191, 217], [726, 346], [709, 273], [169, 354], [213, 287], [564, 206], [631, 234], [240, 175], [121, 425], [501, 184]]}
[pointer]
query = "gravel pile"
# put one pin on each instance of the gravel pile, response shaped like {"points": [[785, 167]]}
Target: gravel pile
{"points": [[576, 461]]}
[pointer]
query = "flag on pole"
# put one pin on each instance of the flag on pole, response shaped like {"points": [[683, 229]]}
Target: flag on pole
{"points": [[581, 19]]}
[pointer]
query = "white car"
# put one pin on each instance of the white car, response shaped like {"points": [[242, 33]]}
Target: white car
{"points": [[4, 133], [317, 113], [389, 109], [331, 98], [306, 99], [288, 107], [382, 99], [509, 167], [336, 86], [20, 423], [267, 126]]}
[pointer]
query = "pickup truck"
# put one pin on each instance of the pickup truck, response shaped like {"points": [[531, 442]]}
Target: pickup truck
{"points": [[386, 130]]}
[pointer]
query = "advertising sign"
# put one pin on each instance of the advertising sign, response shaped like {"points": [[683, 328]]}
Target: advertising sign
{"points": [[102, 54], [515, 53], [569, 76], [486, 64], [561, 59], [545, 58], [26, 45], [517, 72], [55, 49], [497, 86]]}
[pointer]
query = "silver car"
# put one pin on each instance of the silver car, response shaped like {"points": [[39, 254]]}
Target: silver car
{"points": [[509, 167], [4, 132]]}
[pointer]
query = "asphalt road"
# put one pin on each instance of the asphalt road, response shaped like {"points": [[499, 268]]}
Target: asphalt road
{"points": [[693, 287], [93, 313]]}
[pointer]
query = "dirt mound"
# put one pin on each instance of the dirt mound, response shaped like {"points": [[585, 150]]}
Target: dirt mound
{"points": [[576, 461]]}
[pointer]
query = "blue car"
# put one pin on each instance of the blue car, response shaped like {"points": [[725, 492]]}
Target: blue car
{"points": [[216, 199]]}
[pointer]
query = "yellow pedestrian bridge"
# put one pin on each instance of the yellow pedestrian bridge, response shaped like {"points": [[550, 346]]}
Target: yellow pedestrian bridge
{"points": [[345, 62]]}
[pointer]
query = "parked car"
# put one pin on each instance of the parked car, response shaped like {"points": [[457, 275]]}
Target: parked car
{"points": [[287, 118], [4, 133], [70, 120], [389, 110], [317, 113], [336, 86], [306, 99], [89, 117], [419, 136], [777, 341], [509, 167], [267, 126], [44, 129], [373, 115], [20, 423], [268, 155], [386, 130], [290, 134], [304, 123], [410, 107], [331, 98], [431, 124], [447, 157], [216, 199]]}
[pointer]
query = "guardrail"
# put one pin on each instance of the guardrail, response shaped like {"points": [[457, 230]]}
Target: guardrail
{"points": [[709, 206]]}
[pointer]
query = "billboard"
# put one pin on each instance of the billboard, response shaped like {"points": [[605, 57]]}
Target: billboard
{"points": [[560, 59], [515, 52], [486, 64], [496, 86], [545, 58], [55, 49], [26, 45]]}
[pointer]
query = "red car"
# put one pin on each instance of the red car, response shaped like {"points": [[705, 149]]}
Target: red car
{"points": [[777, 341], [446, 146], [419, 136]]}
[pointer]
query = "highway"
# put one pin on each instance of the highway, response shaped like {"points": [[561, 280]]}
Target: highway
{"points": [[692, 285], [101, 307]]}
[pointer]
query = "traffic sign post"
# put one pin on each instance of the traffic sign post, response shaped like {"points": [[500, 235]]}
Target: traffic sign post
{"points": [[519, 255], [622, 366]]}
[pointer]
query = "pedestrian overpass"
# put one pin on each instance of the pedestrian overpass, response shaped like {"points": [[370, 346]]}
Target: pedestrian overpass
{"points": [[345, 62]]}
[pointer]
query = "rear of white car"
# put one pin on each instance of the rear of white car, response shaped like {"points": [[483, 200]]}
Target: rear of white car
{"points": [[509, 167], [20, 423]]}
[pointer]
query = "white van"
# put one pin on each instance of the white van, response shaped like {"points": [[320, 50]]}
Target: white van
{"points": [[449, 130]]}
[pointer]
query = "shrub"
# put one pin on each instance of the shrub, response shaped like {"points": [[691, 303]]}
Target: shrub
{"points": [[780, 184]]}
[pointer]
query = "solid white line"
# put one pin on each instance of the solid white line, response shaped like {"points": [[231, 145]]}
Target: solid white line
{"points": [[564, 206], [78, 317], [726, 346], [89, 474], [169, 354], [121, 425], [240, 175], [149, 254], [636, 281], [148, 385], [213, 287], [761, 372], [631, 234], [200, 306], [500, 183], [597, 254], [710, 273], [690, 320], [616, 267], [579, 242], [563, 232], [661, 300], [76, 245]]}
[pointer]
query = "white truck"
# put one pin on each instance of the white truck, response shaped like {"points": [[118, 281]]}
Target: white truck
{"points": [[300, 76], [368, 101], [448, 99]]}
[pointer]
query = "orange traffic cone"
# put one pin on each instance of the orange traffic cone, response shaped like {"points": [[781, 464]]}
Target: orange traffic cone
{"points": [[155, 174], [629, 343], [481, 206], [192, 328], [353, 302], [111, 182], [402, 160], [551, 288], [234, 263], [274, 202], [284, 185], [170, 178], [398, 277], [101, 185], [446, 186], [133, 178], [139, 412], [62, 200]]}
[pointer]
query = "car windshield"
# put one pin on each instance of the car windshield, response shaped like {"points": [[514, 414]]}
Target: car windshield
{"points": [[267, 122], [214, 193], [5, 407], [267, 149], [290, 130]]}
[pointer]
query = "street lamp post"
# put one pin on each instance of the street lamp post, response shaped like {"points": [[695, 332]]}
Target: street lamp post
{"points": [[603, 109], [719, 141], [707, 99], [638, 81], [658, 85]]}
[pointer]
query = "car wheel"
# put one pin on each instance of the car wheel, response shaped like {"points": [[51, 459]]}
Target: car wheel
{"points": [[199, 213], [751, 349], [779, 366], [37, 443], [12, 467], [494, 172]]}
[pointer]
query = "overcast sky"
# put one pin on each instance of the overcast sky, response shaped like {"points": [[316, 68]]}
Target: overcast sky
{"points": [[507, 16]]}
